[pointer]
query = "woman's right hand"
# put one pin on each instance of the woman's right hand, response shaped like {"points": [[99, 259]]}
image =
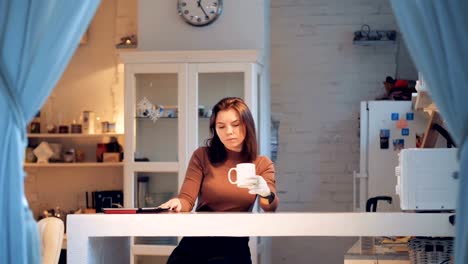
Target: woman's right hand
{"points": [[173, 204]]}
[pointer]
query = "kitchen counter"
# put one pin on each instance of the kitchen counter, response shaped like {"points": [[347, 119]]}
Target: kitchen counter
{"points": [[382, 254], [102, 238]]}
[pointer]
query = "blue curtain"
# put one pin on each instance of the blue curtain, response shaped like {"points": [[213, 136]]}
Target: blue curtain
{"points": [[37, 40], [436, 33]]}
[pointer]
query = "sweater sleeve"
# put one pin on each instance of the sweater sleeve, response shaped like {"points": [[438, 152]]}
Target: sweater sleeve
{"points": [[192, 182], [267, 171]]}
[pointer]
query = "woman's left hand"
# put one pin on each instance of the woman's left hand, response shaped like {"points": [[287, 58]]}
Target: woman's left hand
{"points": [[257, 185]]}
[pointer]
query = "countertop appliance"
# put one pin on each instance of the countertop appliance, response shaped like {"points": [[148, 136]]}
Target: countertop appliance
{"points": [[386, 127], [425, 179]]}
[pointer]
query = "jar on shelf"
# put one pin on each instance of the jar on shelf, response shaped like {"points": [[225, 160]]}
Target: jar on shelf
{"points": [[69, 156], [111, 127], [29, 156], [76, 128], [35, 126]]}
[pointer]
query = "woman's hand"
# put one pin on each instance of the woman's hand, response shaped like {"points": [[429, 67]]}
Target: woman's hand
{"points": [[173, 205], [257, 185]]}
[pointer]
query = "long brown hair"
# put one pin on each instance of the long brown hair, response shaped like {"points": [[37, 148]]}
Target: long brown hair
{"points": [[216, 150]]}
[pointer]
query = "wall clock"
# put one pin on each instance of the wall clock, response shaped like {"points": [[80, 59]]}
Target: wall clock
{"points": [[199, 12]]}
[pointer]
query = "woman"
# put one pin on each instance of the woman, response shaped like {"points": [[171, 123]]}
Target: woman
{"points": [[233, 140]]}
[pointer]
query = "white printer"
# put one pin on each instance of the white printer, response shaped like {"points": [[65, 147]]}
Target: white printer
{"points": [[425, 179]]}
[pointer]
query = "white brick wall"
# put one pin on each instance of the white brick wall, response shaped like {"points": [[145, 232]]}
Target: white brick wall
{"points": [[318, 78]]}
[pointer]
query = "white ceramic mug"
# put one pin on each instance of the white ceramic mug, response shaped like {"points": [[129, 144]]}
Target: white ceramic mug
{"points": [[243, 171]]}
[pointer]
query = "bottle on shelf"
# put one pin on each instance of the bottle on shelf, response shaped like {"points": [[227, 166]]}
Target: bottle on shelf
{"points": [[88, 122]]}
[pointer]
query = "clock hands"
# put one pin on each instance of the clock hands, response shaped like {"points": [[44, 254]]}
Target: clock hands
{"points": [[201, 7], [189, 10]]}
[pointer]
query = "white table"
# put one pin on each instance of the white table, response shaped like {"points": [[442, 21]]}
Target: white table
{"points": [[113, 230]]}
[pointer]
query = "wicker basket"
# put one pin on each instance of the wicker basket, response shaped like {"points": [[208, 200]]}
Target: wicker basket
{"points": [[429, 250]]}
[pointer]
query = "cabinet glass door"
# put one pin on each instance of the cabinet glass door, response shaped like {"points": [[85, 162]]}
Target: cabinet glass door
{"points": [[212, 87], [216, 81], [151, 190], [156, 113]]}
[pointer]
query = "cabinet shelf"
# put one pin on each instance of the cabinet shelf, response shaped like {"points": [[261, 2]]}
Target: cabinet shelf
{"points": [[74, 165], [152, 250], [71, 135], [159, 118], [154, 166], [166, 118]]}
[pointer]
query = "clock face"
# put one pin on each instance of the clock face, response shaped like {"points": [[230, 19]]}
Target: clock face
{"points": [[199, 12]]}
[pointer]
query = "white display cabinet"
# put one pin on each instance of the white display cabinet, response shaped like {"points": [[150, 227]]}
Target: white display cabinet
{"points": [[183, 86]]}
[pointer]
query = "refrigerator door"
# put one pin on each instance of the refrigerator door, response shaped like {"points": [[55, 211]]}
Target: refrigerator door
{"points": [[381, 161]]}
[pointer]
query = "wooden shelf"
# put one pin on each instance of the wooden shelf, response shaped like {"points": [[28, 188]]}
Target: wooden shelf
{"points": [[424, 102], [430, 136], [74, 165], [71, 135]]}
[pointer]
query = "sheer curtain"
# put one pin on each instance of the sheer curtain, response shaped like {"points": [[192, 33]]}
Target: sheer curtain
{"points": [[436, 33], [37, 40]]}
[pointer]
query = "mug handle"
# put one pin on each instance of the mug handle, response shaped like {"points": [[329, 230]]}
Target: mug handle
{"points": [[229, 176]]}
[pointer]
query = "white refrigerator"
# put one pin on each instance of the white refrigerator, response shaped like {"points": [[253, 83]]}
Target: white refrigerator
{"points": [[385, 128]]}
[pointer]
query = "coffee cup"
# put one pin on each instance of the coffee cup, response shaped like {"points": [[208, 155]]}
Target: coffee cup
{"points": [[243, 172]]}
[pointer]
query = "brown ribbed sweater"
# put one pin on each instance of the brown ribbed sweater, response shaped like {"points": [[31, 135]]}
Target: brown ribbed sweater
{"points": [[216, 193]]}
